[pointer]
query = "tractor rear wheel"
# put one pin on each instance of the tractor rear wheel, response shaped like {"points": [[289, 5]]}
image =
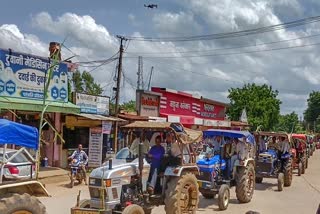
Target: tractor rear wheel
{"points": [[25, 203], [288, 173], [182, 195], [303, 166], [133, 209], [245, 183]]}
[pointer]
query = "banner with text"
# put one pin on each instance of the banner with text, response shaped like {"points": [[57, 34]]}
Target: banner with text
{"points": [[95, 147], [23, 76]]}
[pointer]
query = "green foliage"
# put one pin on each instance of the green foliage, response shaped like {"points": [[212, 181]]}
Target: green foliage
{"points": [[312, 113], [84, 83], [129, 106], [289, 123], [261, 103]]}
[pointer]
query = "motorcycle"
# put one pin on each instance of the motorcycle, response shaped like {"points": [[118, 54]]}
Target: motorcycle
{"points": [[76, 172]]}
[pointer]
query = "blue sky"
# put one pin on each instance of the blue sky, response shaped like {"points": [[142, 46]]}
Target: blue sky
{"points": [[90, 26]]}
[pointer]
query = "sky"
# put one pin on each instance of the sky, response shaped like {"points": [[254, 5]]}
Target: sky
{"points": [[88, 29]]}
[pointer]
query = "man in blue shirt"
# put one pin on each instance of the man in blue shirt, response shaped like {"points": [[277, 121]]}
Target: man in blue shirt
{"points": [[156, 154], [81, 156]]}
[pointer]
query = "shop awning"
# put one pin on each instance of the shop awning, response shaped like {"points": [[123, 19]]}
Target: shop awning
{"points": [[100, 117], [186, 120], [36, 105]]}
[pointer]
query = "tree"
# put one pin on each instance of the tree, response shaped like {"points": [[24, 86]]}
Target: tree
{"points": [[312, 113], [84, 83], [260, 102], [129, 106], [289, 123]]}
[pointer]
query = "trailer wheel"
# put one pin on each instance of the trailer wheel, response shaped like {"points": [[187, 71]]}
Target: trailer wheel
{"points": [[16, 203], [182, 195], [304, 166], [245, 183], [223, 197], [133, 209]]}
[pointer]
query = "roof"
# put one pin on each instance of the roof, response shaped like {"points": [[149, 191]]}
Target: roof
{"points": [[239, 123], [100, 117], [18, 134], [299, 136], [148, 125], [185, 135], [229, 133], [133, 117], [275, 134]]}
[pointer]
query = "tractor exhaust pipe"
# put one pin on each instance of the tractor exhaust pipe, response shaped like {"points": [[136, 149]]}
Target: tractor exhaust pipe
{"points": [[110, 163]]}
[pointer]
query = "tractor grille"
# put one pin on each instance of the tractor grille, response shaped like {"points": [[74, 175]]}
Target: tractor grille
{"points": [[97, 192], [264, 167], [204, 176]]}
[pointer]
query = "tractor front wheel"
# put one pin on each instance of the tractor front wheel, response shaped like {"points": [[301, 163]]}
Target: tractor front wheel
{"points": [[223, 197]]}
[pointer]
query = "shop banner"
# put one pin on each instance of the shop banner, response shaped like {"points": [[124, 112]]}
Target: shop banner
{"points": [[23, 76], [95, 147], [147, 103], [106, 127], [180, 104], [92, 104]]}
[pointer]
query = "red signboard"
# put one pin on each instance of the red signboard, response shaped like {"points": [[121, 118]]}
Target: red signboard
{"points": [[178, 103]]}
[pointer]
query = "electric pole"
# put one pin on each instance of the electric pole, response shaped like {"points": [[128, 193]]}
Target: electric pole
{"points": [[118, 90]]}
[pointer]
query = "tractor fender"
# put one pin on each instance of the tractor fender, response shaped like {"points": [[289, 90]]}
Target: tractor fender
{"points": [[33, 187], [179, 170], [245, 162]]}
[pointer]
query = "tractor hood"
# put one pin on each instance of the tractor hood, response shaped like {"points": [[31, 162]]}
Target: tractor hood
{"points": [[119, 169]]}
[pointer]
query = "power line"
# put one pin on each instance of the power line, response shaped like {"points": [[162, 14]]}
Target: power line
{"points": [[227, 48], [260, 30], [228, 54]]}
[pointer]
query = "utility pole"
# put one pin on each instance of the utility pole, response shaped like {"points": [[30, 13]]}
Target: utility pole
{"points": [[118, 91]]}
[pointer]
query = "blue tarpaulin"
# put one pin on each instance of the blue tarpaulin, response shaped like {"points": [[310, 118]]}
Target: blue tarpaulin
{"points": [[18, 134], [229, 133]]}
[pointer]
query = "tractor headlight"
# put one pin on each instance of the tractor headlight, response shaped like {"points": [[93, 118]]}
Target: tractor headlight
{"points": [[92, 181]]}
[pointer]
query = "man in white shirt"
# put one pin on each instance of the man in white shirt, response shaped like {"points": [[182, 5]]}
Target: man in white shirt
{"points": [[217, 142], [262, 144], [242, 149], [134, 148], [284, 145]]}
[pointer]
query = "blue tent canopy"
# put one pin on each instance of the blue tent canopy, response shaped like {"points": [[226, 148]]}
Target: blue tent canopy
{"points": [[229, 133], [18, 134]]}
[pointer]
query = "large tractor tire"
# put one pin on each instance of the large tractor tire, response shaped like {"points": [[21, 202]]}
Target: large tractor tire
{"points": [[288, 173], [133, 209], [223, 197], [24, 203], [182, 195], [245, 183], [207, 194]]}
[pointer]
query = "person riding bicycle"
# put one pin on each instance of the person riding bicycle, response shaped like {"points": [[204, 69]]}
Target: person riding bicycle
{"points": [[81, 156]]}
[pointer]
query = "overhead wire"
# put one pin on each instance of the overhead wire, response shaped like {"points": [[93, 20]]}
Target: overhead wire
{"points": [[226, 48], [234, 34], [232, 53]]}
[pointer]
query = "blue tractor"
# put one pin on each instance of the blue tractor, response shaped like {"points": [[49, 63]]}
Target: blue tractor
{"points": [[218, 172]]}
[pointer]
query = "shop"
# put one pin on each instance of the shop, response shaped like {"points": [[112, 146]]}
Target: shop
{"points": [[92, 127], [192, 111], [22, 82]]}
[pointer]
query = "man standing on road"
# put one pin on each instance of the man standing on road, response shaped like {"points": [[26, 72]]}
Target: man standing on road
{"points": [[81, 156]]}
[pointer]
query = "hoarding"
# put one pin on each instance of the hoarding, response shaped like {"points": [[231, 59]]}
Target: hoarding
{"points": [[92, 104], [95, 147], [23, 76], [147, 103]]}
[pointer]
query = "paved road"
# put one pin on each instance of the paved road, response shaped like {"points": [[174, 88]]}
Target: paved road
{"points": [[303, 197]]}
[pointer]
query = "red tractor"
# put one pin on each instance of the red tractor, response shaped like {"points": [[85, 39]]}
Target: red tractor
{"points": [[299, 152]]}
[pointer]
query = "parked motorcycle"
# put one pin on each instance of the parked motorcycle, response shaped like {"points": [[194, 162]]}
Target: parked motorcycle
{"points": [[76, 172]]}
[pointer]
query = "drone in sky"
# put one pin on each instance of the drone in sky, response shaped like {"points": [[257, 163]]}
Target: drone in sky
{"points": [[151, 6]]}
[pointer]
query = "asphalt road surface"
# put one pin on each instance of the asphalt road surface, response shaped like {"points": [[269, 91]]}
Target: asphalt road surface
{"points": [[303, 197]]}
